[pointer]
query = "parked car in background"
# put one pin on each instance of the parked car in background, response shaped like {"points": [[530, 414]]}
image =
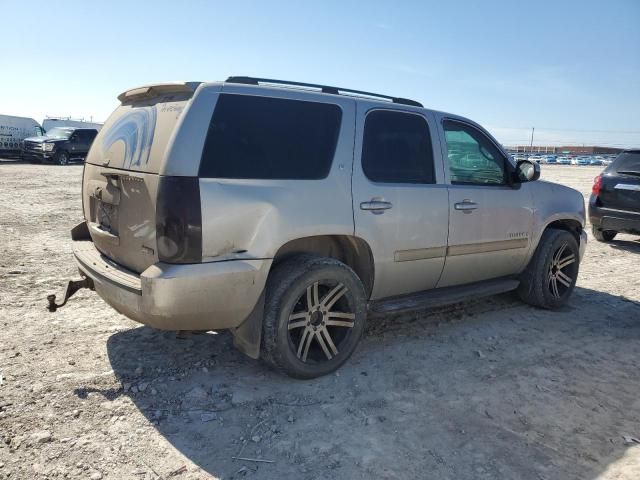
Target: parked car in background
{"points": [[595, 161], [59, 122], [285, 212], [564, 160], [550, 159], [536, 158], [614, 205], [13, 130], [580, 161], [60, 145]]}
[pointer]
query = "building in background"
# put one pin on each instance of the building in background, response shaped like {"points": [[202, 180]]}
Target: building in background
{"points": [[567, 150]]}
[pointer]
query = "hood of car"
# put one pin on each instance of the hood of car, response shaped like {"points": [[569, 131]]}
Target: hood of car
{"points": [[44, 139]]}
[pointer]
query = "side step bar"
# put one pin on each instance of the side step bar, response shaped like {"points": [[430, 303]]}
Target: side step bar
{"points": [[439, 297]]}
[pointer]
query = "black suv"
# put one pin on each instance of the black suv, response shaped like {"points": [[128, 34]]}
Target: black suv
{"points": [[60, 145], [614, 205]]}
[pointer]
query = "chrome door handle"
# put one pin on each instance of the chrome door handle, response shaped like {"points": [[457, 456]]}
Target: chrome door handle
{"points": [[466, 206], [376, 206]]}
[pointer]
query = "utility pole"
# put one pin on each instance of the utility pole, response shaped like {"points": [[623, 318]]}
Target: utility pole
{"points": [[533, 129]]}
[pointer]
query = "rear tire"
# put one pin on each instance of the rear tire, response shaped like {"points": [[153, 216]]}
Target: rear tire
{"points": [[62, 158], [603, 235], [314, 316], [551, 275]]}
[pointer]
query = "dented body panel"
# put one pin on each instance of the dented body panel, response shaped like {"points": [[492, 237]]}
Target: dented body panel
{"points": [[202, 296]]}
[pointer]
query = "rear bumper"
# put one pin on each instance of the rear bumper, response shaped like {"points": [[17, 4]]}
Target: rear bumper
{"points": [[612, 219], [204, 296]]}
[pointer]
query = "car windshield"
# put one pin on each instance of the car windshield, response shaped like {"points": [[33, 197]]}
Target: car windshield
{"points": [[60, 132]]}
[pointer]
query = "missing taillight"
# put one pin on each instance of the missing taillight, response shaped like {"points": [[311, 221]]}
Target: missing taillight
{"points": [[179, 220], [597, 185]]}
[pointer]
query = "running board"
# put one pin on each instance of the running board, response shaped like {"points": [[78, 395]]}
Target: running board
{"points": [[439, 297]]}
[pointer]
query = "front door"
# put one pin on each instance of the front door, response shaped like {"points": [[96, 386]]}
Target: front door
{"points": [[489, 217], [400, 201]]}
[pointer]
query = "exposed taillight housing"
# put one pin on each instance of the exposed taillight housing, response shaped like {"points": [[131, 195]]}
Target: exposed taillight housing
{"points": [[597, 185], [179, 220]]}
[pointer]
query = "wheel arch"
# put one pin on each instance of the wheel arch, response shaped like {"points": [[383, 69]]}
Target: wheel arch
{"points": [[350, 250], [568, 224]]}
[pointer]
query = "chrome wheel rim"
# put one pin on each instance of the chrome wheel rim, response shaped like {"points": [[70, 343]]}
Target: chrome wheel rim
{"points": [[562, 271], [321, 322], [63, 159]]}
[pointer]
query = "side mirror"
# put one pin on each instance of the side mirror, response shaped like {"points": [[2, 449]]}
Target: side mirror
{"points": [[527, 171]]}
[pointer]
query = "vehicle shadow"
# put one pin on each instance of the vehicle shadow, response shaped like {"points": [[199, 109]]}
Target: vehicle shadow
{"points": [[627, 245], [485, 389]]}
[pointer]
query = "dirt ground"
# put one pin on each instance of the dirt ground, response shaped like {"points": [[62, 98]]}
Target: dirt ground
{"points": [[490, 389]]}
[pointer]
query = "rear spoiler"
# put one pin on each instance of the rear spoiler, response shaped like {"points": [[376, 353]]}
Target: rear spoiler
{"points": [[150, 91]]}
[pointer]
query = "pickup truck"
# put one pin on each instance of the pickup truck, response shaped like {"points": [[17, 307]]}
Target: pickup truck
{"points": [[60, 145]]}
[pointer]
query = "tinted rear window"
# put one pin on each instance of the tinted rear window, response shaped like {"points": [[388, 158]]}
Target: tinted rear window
{"points": [[626, 162], [270, 138], [397, 148]]}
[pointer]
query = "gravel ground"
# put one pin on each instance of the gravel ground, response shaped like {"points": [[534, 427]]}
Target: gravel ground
{"points": [[488, 389]]}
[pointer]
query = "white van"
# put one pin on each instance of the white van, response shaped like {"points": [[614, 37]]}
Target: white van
{"points": [[53, 122], [13, 130]]}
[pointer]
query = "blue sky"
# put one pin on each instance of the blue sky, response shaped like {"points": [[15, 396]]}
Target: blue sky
{"points": [[569, 68]]}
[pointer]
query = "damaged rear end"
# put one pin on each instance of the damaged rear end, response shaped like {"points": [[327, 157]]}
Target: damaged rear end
{"points": [[136, 216], [141, 244]]}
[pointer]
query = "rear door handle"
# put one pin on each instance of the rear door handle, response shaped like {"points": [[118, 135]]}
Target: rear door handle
{"points": [[466, 206], [376, 206]]}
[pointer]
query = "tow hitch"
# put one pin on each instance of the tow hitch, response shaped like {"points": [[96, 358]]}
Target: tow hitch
{"points": [[72, 287]]}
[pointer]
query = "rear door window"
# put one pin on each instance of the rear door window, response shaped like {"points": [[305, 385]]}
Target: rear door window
{"points": [[270, 138], [396, 148]]}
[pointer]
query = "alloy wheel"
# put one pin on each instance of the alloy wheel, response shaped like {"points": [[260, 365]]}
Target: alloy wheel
{"points": [[321, 322], [562, 271]]}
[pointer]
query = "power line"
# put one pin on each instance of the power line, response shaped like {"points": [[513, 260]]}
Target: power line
{"points": [[625, 132]]}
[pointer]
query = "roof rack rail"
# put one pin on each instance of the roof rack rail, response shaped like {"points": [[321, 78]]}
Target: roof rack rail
{"points": [[322, 88]]}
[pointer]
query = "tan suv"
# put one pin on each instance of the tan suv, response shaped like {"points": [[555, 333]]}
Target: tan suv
{"points": [[285, 212]]}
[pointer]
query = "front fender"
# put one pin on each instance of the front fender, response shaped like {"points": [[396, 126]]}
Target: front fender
{"points": [[555, 203]]}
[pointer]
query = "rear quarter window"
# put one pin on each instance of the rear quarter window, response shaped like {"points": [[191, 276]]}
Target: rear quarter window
{"points": [[254, 137]]}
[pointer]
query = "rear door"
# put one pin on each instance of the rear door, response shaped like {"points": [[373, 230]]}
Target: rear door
{"points": [[121, 176], [621, 183], [490, 220], [399, 198]]}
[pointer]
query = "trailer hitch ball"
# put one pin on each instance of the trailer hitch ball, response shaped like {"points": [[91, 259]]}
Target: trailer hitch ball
{"points": [[72, 287]]}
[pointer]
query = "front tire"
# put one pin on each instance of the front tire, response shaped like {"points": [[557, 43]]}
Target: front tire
{"points": [[603, 235], [314, 316], [551, 274], [62, 158]]}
